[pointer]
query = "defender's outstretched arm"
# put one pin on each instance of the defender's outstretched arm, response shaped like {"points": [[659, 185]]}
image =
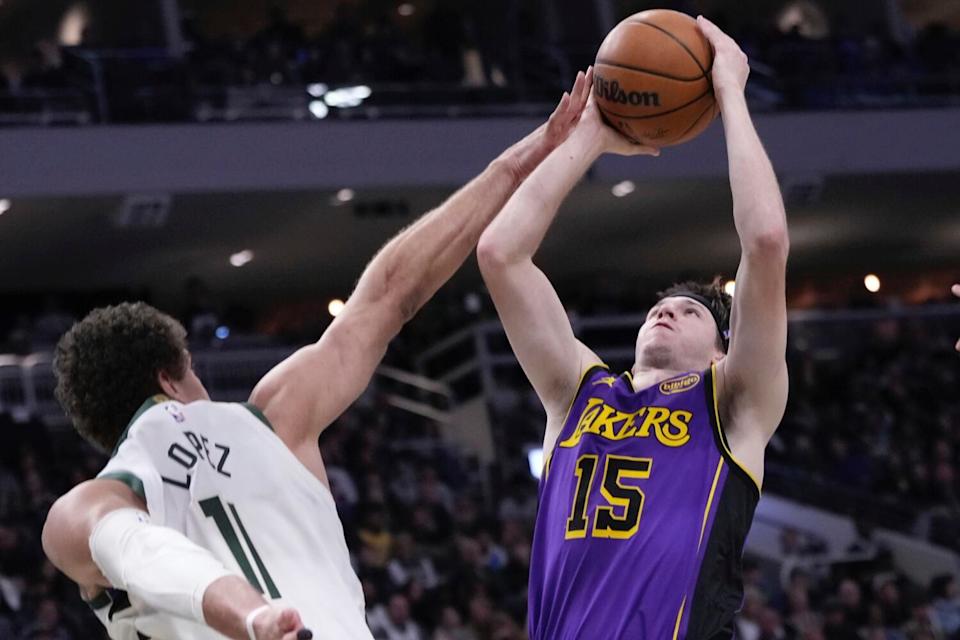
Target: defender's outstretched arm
{"points": [[306, 392]]}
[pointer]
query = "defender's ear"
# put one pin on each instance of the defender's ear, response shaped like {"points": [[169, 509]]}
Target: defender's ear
{"points": [[171, 387]]}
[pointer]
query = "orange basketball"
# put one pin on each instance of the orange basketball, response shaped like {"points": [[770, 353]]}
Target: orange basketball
{"points": [[652, 78]]}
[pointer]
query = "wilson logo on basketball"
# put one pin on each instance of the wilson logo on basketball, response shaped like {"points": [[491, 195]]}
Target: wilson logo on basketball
{"points": [[612, 91], [679, 385]]}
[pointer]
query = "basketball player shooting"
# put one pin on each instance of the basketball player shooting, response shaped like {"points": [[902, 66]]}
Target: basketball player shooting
{"points": [[651, 477], [215, 519]]}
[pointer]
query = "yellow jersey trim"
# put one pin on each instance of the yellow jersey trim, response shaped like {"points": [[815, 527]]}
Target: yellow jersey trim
{"points": [[722, 437], [706, 512], [566, 415], [676, 628]]}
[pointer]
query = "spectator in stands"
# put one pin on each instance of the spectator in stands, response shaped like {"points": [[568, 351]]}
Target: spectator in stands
{"points": [[47, 623], [892, 610], [801, 618], [924, 622], [451, 627], [850, 598], [748, 621], [945, 596], [409, 564], [771, 625], [836, 624], [394, 622], [375, 537]]}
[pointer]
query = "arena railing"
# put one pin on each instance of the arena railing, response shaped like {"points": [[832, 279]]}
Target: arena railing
{"points": [[27, 384], [468, 359], [477, 362], [44, 107], [147, 85]]}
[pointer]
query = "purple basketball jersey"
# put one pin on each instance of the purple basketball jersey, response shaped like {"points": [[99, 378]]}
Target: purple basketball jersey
{"points": [[642, 518]]}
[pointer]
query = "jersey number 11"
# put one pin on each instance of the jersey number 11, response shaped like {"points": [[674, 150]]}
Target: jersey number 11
{"points": [[213, 508]]}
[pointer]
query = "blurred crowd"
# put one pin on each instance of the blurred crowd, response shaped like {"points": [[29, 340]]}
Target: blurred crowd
{"points": [[848, 69], [442, 543], [868, 600], [359, 45], [877, 422], [502, 52]]}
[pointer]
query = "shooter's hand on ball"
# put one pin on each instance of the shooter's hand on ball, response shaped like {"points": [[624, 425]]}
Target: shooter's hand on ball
{"points": [[730, 65], [609, 139]]}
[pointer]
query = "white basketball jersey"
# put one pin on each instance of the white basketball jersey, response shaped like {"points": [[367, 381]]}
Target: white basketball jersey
{"points": [[217, 473]]}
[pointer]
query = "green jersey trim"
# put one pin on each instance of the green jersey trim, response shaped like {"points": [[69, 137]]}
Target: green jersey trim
{"points": [[149, 402], [129, 479], [258, 414], [100, 600]]}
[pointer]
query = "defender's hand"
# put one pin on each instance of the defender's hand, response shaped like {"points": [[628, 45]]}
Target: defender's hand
{"points": [[530, 152], [730, 65], [277, 623], [567, 114]]}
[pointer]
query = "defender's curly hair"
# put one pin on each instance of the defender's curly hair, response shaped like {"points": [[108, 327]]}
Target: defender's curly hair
{"points": [[106, 365], [720, 303]]}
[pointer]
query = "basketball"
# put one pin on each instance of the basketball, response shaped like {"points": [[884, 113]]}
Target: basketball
{"points": [[652, 78]]}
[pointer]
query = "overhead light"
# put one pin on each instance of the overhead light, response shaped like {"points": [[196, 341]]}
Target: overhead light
{"points": [[318, 109], [241, 258], [222, 332], [624, 188], [729, 287], [535, 460], [317, 89], [345, 195], [5, 206], [335, 307], [347, 96], [406, 9], [872, 283], [72, 25], [472, 302]]}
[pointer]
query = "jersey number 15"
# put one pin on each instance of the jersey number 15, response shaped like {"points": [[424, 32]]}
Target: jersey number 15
{"points": [[620, 518]]}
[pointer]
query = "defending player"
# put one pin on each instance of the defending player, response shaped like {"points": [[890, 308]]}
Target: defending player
{"points": [[197, 493], [651, 477]]}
